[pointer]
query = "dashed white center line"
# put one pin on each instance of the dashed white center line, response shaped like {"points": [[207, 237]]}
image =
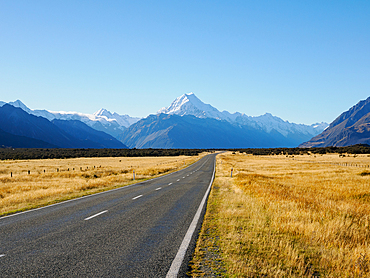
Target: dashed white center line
{"points": [[95, 215], [170, 183], [137, 197], [178, 180], [159, 188], [2, 255]]}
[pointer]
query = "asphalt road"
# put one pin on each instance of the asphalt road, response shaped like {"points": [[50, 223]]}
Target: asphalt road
{"points": [[133, 231]]}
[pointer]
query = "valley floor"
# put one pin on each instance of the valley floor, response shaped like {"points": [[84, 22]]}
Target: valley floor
{"points": [[27, 184], [286, 216]]}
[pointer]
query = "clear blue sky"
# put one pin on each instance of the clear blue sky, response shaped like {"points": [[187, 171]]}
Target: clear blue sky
{"points": [[304, 61]]}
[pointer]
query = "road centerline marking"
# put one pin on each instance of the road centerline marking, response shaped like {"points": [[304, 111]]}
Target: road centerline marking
{"points": [[95, 215], [2, 255], [137, 197], [159, 188], [170, 183], [178, 180]]}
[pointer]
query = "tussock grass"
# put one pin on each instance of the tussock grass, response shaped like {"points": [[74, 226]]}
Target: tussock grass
{"points": [[287, 217], [365, 173], [53, 180]]}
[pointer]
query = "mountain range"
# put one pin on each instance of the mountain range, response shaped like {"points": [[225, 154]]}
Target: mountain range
{"points": [[173, 131], [189, 104], [102, 120], [190, 123], [186, 123], [21, 129]]}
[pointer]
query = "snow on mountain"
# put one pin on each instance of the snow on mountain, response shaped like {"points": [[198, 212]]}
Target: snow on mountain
{"points": [[18, 104], [102, 120], [269, 122], [123, 120], [321, 125], [189, 104]]}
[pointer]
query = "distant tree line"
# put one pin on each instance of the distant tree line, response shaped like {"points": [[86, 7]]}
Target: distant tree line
{"points": [[355, 149], [16, 154]]}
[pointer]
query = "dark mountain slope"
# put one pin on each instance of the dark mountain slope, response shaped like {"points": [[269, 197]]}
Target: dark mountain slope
{"points": [[350, 128], [8, 140], [18, 122], [87, 134]]}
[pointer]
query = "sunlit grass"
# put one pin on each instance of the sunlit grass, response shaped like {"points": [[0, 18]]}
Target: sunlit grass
{"points": [[301, 216], [26, 184]]}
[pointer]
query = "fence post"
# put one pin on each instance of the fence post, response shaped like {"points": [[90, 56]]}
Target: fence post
{"points": [[11, 174], [133, 174], [231, 172]]}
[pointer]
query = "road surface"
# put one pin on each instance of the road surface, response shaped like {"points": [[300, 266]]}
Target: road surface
{"points": [[133, 231]]}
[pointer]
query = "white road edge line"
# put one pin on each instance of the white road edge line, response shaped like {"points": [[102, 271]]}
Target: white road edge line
{"points": [[137, 197], [176, 264], [95, 215], [159, 188]]}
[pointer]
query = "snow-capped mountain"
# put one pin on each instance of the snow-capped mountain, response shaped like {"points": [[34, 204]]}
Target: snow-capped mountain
{"points": [[21, 129], [18, 104], [189, 104], [103, 120], [122, 120], [187, 123]]}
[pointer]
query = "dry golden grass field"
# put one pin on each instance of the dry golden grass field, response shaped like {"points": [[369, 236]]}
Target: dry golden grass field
{"points": [[54, 180], [279, 216]]}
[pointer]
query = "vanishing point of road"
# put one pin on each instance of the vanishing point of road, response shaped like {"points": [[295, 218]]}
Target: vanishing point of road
{"points": [[142, 230]]}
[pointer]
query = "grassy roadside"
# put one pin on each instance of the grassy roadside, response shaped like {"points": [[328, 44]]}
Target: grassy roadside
{"points": [[28, 184], [286, 217]]}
